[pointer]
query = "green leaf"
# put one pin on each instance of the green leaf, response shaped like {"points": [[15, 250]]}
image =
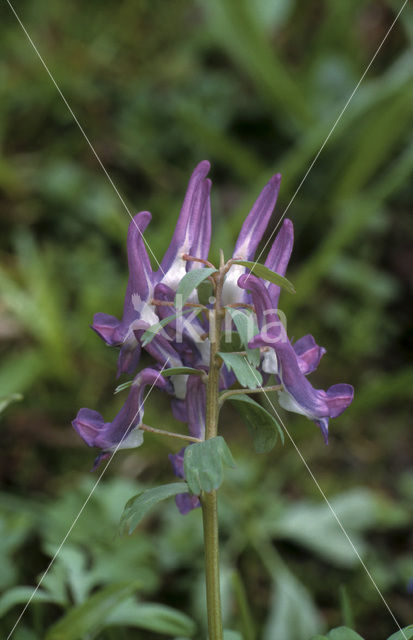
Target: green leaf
{"points": [[21, 595], [246, 375], [153, 617], [205, 291], [92, 615], [6, 400], [406, 635], [123, 386], [247, 329], [346, 608], [231, 342], [343, 633], [313, 525], [204, 464], [179, 371], [263, 426], [190, 281], [154, 329], [232, 635], [293, 613], [261, 271], [138, 506], [245, 617]]}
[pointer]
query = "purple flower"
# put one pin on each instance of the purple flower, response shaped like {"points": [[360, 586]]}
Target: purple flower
{"points": [[123, 432], [192, 235], [279, 256], [184, 341], [298, 395], [249, 238]]}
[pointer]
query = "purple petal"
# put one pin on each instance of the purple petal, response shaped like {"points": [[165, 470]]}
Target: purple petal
{"points": [[298, 395], [257, 220], [323, 424], [129, 356], [186, 502], [104, 455], [249, 238], [123, 431], [177, 462], [140, 271], [184, 235], [200, 226], [279, 256], [339, 396], [269, 323], [178, 408], [161, 349], [107, 328], [88, 423], [196, 406], [138, 291], [308, 353], [226, 379], [186, 330]]}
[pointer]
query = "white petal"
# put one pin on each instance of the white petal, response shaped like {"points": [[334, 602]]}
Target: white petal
{"points": [[270, 362]]}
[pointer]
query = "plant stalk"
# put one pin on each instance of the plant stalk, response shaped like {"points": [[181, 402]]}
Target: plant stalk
{"points": [[209, 500]]}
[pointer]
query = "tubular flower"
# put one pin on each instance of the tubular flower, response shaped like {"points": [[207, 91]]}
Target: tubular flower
{"points": [[192, 235], [123, 432], [298, 395], [249, 238], [184, 340]]}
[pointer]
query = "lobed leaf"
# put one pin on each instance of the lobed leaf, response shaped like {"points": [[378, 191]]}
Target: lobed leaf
{"points": [[247, 329], [92, 615], [123, 386], [191, 281], [293, 613], [204, 464], [154, 329], [178, 371], [21, 595], [246, 375], [138, 506], [343, 633], [405, 634], [153, 617], [263, 426], [261, 271]]}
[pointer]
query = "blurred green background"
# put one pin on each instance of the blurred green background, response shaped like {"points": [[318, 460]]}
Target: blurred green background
{"points": [[254, 86]]}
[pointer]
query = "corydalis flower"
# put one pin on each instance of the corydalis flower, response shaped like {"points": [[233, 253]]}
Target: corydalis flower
{"points": [[291, 364], [123, 432], [150, 297], [192, 235]]}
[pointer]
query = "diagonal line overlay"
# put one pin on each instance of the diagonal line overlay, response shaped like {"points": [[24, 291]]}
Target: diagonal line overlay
{"points": [[328, 503], [331, 131], [49, 566], [72, 113]]}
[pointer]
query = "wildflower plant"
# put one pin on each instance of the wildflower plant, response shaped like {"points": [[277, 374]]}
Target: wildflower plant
{"points": [[226, 345]]}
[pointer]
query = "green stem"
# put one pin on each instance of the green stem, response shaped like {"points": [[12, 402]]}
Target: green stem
{"points": [[170, 434], [211, 545], [209, 500]]}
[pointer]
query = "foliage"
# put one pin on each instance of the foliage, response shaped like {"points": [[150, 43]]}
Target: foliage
{"points": [[255, 88]]}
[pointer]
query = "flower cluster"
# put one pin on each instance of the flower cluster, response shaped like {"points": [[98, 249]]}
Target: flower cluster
{"points": [[150, 298]]}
